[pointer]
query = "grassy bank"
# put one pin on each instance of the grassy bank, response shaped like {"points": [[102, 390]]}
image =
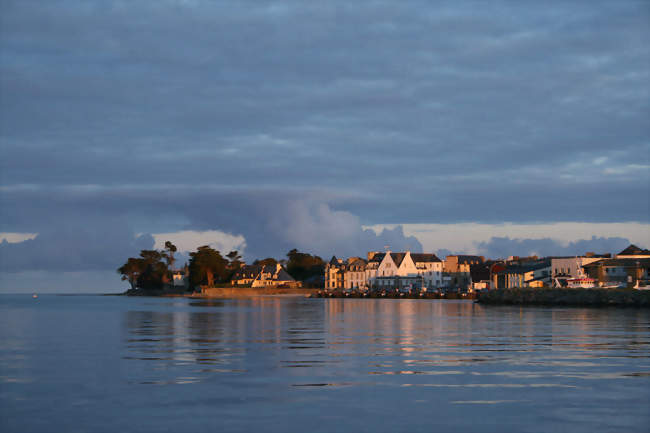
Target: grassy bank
{"points": [[567, 297]]}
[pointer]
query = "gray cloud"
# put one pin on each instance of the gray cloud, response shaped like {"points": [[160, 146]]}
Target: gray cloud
{"points": [[73, 248], [504, 246], [91, 230], [252, 119]]}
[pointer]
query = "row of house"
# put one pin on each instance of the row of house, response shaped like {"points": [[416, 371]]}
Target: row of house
{"points": [[629, 268], [406, 271], [263, 276], [401, 271]]}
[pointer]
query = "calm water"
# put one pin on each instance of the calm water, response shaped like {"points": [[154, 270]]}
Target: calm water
{"points": [[286, 364]]}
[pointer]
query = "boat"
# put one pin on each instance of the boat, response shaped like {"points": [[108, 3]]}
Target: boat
{"points": [[581, 283], [34, 296]]}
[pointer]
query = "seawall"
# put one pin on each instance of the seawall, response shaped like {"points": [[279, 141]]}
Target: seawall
{"points": [[238, 292], [567, 297]]}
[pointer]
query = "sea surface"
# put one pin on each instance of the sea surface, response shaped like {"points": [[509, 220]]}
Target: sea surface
{"points": [[290, 364]]}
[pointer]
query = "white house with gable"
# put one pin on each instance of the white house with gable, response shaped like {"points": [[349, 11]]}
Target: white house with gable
{"points": [[395, 270]]}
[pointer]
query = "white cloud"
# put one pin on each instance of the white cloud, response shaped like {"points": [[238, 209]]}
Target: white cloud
{"points": [[13, 238], [466, 237], [189, 240]]}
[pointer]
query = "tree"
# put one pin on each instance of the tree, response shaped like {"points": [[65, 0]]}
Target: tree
{"points": [[170, 249], [269, 261], [235, 260], [131, 270], [302, 265], [156, 273], [206, 264]]}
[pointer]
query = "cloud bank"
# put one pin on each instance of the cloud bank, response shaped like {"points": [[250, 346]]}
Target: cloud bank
{"points": [[296, 125]]}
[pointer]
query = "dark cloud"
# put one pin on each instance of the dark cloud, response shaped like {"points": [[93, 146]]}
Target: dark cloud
{"points": [[294, 124], [91, 230], [73, 248], [504, 247]]}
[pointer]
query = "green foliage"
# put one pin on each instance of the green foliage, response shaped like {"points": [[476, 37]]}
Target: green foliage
{"points": [[302, 266], [269, 261], [150, 271], [234, 263], [156, 273], [170, 249], [207, 266], [131, 270]]}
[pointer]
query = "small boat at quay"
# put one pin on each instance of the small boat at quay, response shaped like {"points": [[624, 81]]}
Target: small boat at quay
{"points": [[581, 283]]}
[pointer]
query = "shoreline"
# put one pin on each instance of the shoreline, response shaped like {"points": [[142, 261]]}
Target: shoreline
{"points": [[596, 297], [225, 292]]}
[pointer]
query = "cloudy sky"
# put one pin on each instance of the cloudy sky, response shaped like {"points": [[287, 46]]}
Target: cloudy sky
{"points": [[332, 127]]}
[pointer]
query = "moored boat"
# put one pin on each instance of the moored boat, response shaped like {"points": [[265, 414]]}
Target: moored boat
{"points": [[581, 283]]}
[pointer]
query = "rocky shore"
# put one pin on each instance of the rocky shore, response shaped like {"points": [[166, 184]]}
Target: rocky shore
{"points": [[567, 297]]}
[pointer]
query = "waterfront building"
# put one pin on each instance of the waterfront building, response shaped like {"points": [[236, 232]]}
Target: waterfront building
{"points": [[620, 272], [571, 268], [404, 269], [480, 276], [263, 276], [633, 252], [346, 274], [458, 269], [526, 274], [180, 278]]}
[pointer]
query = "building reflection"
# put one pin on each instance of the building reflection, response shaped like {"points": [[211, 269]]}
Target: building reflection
{"points": [[325, 337]]}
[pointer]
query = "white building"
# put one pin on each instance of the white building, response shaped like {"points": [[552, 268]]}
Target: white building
{"points": [[571, 266], [412, 269]]}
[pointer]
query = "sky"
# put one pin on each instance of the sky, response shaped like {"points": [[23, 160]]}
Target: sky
{"points": [[333, 127]]}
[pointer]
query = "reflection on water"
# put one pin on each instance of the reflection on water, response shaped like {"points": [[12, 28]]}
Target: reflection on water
{"points": [[326, 365]]}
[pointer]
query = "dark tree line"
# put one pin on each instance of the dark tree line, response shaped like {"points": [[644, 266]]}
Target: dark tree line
{"points": [[153, 269], [303, 266]]}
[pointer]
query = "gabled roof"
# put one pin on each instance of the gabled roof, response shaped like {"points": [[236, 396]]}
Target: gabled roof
{"points": [[248, 271], [334, 261], [633, 250], [284, 276], [398, 258], [377, 258], [424, 258]]}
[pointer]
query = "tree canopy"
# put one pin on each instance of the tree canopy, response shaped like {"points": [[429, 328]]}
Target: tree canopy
{"points": [[131, 270], [302, 266], [156, 272], [206, 266], [150, 271], [269, 261], [170, 249]]}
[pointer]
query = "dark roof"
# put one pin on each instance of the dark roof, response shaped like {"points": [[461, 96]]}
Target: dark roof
{"points": [[523, 268], [377, 257], [645, 262], [422, 257], [467, 258], [252, 271], [354, 260], [284, 275], [334, 261], [248, 271], [633, 250], [398, 258], [480, 272]]}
